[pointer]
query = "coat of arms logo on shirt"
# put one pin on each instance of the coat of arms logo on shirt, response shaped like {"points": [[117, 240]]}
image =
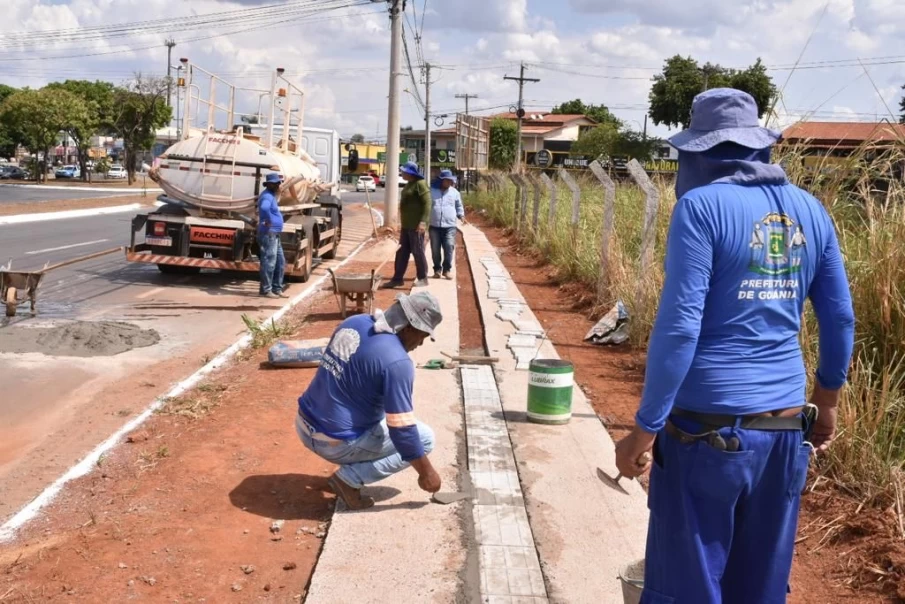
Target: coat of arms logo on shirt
{"points": [[777, 245], [345, 343]]}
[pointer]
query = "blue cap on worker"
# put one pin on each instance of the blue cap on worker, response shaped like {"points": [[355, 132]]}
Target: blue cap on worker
{"points": [[411, 168], [448, 175], [273, 178], [723, 115]]}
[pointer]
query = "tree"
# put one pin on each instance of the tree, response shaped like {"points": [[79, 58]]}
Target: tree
{"points": [[607, 141], [97, 116], [250, 119], [599, 113], [503, 143], [38, 116], [141, 108], [358, 138], [9, 140], [902, 107], [674, 89]]}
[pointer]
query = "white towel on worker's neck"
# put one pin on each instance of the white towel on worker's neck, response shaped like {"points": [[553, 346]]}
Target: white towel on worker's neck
{"points": [[391, 321]]}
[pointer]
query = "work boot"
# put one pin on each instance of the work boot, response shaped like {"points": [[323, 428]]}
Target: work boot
{"points": [[353, 498], [436, 274], [446, 275], [270, 295], [421, 283], [392, 285]]}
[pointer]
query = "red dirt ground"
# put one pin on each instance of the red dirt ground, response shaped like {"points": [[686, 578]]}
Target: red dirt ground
{"points": [[843, 554], [184, 511]]}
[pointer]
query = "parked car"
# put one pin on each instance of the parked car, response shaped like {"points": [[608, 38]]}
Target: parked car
{"points": [[116, 172], [7, 172], [365, 183], [68, 172]]}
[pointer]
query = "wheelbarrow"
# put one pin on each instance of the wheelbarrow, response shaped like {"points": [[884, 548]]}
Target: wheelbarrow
{"points": [[358, 289], [19, 287]]}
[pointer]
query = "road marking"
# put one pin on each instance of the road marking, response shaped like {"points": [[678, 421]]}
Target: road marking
{"points": [[89, 462], [149, 293], [65, 247], [42, 217]]}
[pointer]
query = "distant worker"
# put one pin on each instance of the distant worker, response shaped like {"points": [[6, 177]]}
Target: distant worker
{"points": [[723, 407], [414, 212], [358, 410], [270, 225], [445, 209]]}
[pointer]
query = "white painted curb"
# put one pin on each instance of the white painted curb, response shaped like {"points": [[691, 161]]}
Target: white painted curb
{"points": [[92, 189], [85, 465], [43, 217]]}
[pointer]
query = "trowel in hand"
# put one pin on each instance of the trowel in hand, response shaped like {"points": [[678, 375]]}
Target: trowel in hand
{"points": [[613, 483], [447, 497]]}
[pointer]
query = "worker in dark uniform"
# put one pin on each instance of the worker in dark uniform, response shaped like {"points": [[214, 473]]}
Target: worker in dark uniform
{"points": [[414, 211], [270, 225], [723, 409]]}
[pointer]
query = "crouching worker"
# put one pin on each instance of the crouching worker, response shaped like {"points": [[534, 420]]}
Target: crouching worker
{"points": [[357, 412]]}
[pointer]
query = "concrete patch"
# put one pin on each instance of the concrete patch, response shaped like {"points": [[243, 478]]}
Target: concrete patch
{"points": [[78, 339]]}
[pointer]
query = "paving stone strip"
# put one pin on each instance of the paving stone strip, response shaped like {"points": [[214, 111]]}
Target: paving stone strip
{"points": [[509, 565]]}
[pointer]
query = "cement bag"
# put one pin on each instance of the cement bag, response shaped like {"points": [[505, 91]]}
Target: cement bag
{"points": [[612, 329], [297, 353]]}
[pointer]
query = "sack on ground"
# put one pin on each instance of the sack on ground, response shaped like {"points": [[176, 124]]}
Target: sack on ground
{"points": [[612, 329], [297, 353]]}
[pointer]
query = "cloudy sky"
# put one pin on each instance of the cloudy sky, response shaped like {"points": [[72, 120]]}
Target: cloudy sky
{"points": [[596, 50]]}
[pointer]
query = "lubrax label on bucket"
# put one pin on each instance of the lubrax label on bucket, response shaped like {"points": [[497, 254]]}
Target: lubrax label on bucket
{"points": [[550, 383]]}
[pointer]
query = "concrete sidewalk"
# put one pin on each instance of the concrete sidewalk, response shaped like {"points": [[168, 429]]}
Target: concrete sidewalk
{"points": [[584, 531], [406, 548]]}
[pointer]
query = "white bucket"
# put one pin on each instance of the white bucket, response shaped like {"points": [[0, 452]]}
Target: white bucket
{"points": [[632, 579]]}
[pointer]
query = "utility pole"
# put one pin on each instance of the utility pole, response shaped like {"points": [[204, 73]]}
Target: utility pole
{"points": [[392, 171], [521, 111], [170, 42], [466, 97], [427, 121]]}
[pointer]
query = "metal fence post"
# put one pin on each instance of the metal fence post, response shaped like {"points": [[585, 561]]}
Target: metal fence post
{"points": [[606, 235], [651, 203], [551, 187], [536, 185], [576, 200]]}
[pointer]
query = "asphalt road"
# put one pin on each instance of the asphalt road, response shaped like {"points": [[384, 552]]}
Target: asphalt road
{"points": [[56, 408], [25, 193]]}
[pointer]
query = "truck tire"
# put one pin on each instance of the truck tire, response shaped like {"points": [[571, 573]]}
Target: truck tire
{"points": [[336, 224]]}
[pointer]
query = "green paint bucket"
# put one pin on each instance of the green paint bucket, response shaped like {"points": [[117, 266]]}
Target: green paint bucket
{"points": [[550, 391]]}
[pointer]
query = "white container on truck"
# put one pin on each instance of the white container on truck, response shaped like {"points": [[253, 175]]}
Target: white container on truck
{"points": [[212, 177]]}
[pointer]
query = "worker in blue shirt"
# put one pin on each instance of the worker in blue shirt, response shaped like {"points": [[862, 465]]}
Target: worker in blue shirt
{"points": [[723, 408], [446, 208], [358, 411], [270, 225]]}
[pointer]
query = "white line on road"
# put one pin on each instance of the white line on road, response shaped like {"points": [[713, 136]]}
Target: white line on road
{"points": [[65, 247], [88, 463], [92, 189]]}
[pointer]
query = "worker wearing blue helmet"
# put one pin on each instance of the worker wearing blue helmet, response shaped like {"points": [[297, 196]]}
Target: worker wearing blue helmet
{"points": [[270, 226], [414, 214], [723, 408]]}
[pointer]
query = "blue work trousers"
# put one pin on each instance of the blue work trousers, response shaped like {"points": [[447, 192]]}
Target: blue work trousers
{"points": [[365, 460], [273, 263], [443, 239], [722, 524]]}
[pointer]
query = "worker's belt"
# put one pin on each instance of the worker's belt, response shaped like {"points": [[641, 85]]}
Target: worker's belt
{"points": [[315, 435], [786, 419]]}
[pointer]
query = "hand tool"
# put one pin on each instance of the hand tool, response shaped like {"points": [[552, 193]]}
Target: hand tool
{"points": [[608, 480]]}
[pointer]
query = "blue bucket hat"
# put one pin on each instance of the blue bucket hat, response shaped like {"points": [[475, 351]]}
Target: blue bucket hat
{"points": [[273, 178], [722, 115], [448, 175], [411, 168]]}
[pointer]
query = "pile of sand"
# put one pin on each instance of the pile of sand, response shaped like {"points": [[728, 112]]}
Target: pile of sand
{"points": [[77, 339]]}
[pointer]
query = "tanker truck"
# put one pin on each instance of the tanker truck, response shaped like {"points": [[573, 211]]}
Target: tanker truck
{"points": [[212, 176]]}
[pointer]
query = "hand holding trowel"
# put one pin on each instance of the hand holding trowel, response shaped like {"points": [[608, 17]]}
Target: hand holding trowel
{"points": [[643, 460]]}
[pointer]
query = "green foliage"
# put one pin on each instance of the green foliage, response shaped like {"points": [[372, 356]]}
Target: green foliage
{"points": [[902, 107], [140, 109], [607, 141], [9, 139], [37, 116], [682, 79], [503, 143], [98, 99], [599, 113], [358, 138]]}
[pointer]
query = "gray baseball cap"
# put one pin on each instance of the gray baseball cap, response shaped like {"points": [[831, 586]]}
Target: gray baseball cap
{"points": [[422, 310]]}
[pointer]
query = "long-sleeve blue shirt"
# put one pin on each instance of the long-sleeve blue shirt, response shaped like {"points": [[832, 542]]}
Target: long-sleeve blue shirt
{"points": [[446, 206], [364, 378], [270, 219], [740, 261]]}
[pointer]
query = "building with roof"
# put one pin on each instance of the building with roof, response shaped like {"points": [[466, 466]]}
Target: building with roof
{"points": [[832, 147]]}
